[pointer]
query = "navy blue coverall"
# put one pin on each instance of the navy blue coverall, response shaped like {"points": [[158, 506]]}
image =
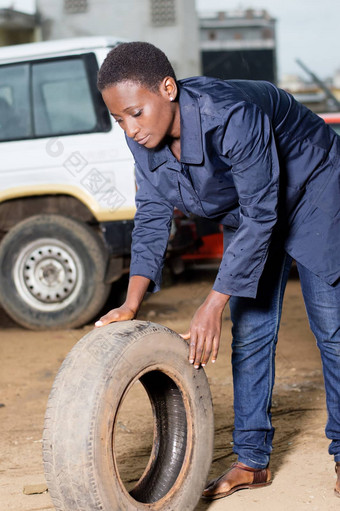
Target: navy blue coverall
{"points": [[267, 168]]}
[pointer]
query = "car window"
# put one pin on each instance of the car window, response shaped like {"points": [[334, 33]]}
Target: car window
{"points": [[51, 97], [15, 108], [62, 98]]}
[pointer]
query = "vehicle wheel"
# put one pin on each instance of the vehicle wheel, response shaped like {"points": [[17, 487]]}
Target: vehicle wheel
{"points": [[51, 273], [81, 422]]}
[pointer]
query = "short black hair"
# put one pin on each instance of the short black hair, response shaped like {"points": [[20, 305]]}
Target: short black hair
{"points": [[137, 61]]}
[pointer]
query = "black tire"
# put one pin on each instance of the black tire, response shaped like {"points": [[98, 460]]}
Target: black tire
{"points": [[51, 273], [80, 423]]}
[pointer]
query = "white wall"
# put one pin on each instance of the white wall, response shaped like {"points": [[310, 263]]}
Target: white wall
{"points": [[129, 19]]}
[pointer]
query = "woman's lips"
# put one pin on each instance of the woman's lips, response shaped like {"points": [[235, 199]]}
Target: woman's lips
{"points": [[143, 141]]}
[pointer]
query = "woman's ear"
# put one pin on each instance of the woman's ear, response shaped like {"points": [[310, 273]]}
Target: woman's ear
{"points": [[168, 88]]}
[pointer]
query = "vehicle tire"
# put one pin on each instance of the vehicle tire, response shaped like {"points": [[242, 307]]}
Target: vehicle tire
{"points": [[81, 422], [51, 273]]}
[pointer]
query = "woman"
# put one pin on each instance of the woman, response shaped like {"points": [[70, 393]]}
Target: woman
{"points": [[247, 155]]}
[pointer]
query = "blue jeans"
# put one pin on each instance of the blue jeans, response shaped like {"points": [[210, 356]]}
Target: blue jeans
{"points": [[255, 330]]}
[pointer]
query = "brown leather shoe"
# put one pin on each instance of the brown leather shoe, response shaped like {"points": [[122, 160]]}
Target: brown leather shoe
{"points": [[238, 477], [337, 484]]}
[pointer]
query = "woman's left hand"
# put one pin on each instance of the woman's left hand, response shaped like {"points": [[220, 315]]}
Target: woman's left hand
{"points": [[205, 329]]}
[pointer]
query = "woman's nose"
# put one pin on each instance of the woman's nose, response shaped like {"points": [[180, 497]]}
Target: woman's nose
{"points": [[131, 129]]}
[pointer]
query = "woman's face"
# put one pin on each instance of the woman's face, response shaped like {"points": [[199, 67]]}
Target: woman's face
{"points": [[147, 117]]}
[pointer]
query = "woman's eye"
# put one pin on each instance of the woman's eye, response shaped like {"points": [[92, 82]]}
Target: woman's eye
{"points": [[137, 114]]}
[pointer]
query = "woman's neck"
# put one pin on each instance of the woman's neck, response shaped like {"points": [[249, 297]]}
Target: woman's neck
{"points": [[175, 147], [175, 132]]}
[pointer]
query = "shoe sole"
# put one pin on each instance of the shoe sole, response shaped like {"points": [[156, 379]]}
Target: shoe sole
{"points": [[237, 488]]}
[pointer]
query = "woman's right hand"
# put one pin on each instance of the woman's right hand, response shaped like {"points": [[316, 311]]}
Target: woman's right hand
{"points": [[122, 313], [135, 293]]}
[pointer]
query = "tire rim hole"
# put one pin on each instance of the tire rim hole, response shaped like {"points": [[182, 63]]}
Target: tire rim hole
{"points": [[133, 438], [133, 441]]}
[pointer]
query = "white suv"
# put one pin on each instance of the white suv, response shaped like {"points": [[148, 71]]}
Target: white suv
{"points": [[66, 184]]}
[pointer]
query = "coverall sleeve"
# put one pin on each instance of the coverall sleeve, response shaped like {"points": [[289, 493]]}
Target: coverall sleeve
{"points": [[151, 231], [248, 141]]}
